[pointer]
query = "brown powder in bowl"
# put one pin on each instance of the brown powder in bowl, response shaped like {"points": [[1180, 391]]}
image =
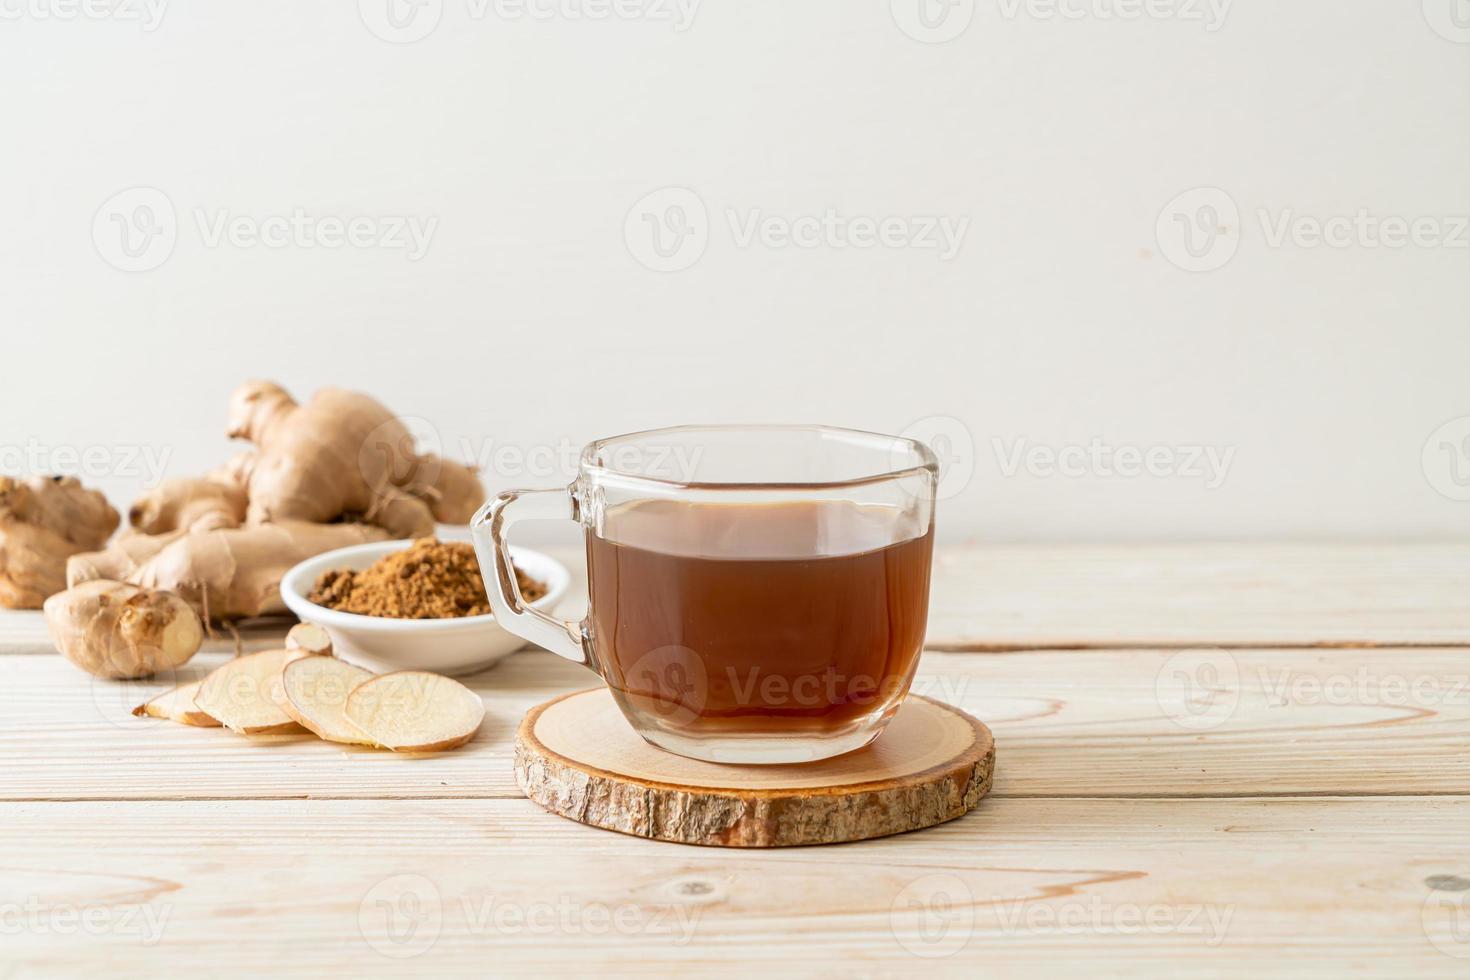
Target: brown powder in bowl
{"points": [[428, 580]]}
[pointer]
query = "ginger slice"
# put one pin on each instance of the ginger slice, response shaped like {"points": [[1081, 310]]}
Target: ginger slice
{"points": [[314, 691], [240, 693], [177, 705], [309, 637], [415, 711]]}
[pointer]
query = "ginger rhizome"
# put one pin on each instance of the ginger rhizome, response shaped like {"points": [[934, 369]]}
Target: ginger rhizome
{"points": [[44, 520], [336, 471], [344, 453], [116, 630]]}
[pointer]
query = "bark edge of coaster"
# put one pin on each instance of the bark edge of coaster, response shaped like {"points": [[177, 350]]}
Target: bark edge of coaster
{"points": [[577, 757]]}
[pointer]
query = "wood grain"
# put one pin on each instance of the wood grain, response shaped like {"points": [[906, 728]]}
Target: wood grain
{"points": [[1258, 594], [1026, 596], [1086, 723], [23, 633], [577, 757], [1018, 888], [1219, 756]]}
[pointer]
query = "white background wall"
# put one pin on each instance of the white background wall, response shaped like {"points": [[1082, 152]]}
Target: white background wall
{"points": [[1063, 317]]}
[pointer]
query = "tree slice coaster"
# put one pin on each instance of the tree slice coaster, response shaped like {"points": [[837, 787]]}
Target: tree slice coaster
{"points": [[578, 757]]}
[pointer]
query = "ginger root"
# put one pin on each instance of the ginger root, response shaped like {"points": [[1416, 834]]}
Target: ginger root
{"points": [[344, 453], [208, 503], [117, 630], [44, 520], [222, 541], [231, 573]]}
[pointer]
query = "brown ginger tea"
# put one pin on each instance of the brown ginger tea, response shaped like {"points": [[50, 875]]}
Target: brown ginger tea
{"points": [[760, 620]]}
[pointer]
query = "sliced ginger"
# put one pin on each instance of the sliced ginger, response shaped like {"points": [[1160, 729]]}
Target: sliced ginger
{"points": [[242, 696], [415, 711], [309, 638], [314, 691], [177, 705], [304, 688]]}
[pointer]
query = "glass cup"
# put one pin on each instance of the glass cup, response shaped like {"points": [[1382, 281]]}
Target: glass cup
{"points": [[757, 594]]}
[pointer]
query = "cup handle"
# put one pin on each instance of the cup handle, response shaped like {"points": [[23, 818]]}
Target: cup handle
{"points": [[489, 529]]}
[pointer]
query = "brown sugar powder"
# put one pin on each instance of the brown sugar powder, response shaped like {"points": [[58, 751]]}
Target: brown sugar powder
{"points": [[428, 580]]}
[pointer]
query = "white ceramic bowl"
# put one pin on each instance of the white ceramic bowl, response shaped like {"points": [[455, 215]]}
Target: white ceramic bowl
{"points": [[444, 646]]}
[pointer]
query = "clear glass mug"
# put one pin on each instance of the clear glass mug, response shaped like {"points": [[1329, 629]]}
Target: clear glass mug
{"points": [[757, 594]]}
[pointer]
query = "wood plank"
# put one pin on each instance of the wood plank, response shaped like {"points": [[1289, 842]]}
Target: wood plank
{"points": [[1025, 596], [1087, 723], [1263, 594], [1023, 888], [23, 633]]}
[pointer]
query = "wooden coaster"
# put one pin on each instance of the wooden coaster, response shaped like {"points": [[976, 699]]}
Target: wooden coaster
{"points": [[577, 756]]}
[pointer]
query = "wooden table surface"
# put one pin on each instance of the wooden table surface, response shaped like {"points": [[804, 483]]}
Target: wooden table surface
{"points": [[1211, 760]]}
